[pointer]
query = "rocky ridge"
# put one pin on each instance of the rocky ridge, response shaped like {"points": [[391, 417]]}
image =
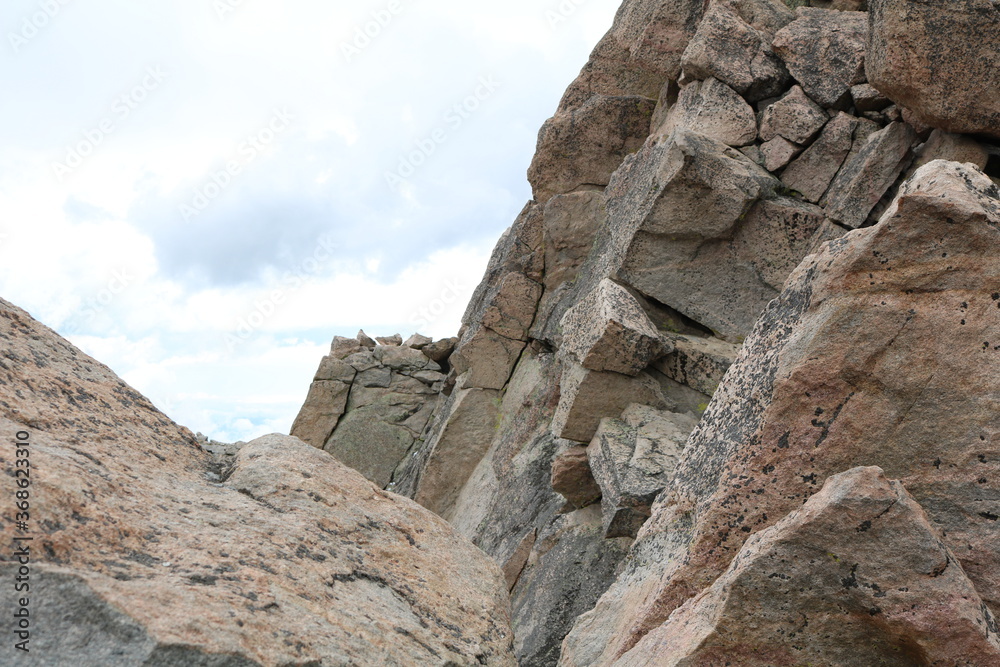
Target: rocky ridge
{"points": [[682, 339]]}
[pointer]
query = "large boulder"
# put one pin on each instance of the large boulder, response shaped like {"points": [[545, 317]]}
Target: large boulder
{"points": [[858, 576], [139, 558], [882, 350], [939, 59]]}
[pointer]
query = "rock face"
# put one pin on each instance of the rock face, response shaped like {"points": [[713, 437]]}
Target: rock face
{"points": [[703, 255], [867, 577], [370, 401], [877, 343], [939, 59], [139, 558]]}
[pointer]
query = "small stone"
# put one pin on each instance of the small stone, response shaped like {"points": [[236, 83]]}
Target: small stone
{"points": [[794, 117]]}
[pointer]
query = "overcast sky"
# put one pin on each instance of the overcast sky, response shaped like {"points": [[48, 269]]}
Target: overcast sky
{"points": [[202, 193]]}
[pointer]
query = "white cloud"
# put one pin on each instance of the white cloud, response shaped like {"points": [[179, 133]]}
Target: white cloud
{"points": [[103, 257]]}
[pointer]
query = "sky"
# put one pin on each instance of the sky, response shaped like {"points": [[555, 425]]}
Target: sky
{"points": [[202, 193]]}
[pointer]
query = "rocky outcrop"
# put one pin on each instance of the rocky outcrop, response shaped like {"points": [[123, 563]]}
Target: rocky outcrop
{"points": [[939, 59], [140, 555], [690, 246], [874, 349], [372, 399]]}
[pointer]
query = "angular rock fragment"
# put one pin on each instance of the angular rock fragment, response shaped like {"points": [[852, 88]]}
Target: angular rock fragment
{"points": [[394, 340], [633, 459], [572, 478], [609, 331], [511, 309], [778, 152], [456, 447], [488, 357], [571, 221], [794, 117], [364, 340], [727, 48], [867, 98], [326, 402], [713, 109], [857, 576], [938, 59], [812, 172], [584, 146], [697, 361], [440, 350], [824, 49], [418, 341], [942, 145], [869, 174], [588, 396]]}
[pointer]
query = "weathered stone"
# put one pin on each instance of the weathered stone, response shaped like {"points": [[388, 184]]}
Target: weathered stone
{"points": [[585, 146], [633, 459], [364, 340], [938, 59], [824, 49], [728, 48], [857, 576], [867, 98], [812, 172], [713, 109], [880, 351], [608, 331], [404, 359], [417, 341], [488, 357], [440, 350], [697, 361], [380, 377], [571, 221], [572, 478], [674, 211], [325, 402], [794, 117], [778, 152], [639, 54], [456, 448], [588, 396], [952, 147], [394, 340], [138, 559], [869, 174], [511, 309], [776, 235], [342, 347]]}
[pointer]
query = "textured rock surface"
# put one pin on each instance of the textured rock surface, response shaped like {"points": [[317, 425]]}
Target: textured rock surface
{"points": [[939, 59], [713, 109], [876, 345], [294, 559], [794, 117], [824, 49], [812, 172], [869, 174], [633, 459], [584, 146], [369, 406], [609, 331], [862, 578]]}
